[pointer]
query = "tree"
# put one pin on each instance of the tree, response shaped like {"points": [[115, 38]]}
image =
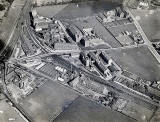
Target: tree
{"points": [[10, 1], [2, 7]]}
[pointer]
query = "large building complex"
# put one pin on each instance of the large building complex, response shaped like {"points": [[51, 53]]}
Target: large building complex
{"points": [[101, 58]]}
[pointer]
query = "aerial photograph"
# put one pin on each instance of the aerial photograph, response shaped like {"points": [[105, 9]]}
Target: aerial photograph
{"points": [[79, 60]]}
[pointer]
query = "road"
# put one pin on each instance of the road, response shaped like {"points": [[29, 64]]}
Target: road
{"points": [[124, 91], [117, 86], [15, 31], [146, 40], [10, 44], [32, 35], [113, 86]]}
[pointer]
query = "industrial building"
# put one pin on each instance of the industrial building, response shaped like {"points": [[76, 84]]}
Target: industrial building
{"points": [[91, 41], [75, 33], [99, 55], [106, 67], [120, 12]]}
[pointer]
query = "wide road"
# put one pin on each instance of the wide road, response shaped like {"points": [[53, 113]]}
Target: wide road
{"points": [[124, 91], [10, 32], [148, 26], [115, 87]]}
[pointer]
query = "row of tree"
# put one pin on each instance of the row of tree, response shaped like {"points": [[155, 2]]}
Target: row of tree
{"points": [[9, 1], [2, 7]]}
